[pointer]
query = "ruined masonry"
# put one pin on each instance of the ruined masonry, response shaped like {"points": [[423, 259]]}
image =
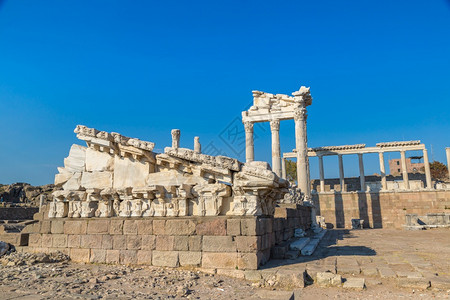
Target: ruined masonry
{"points": [[120, 176]]}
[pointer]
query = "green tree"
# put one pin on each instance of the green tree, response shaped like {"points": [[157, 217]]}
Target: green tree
{"points": [[291, 170], [438, 170]]}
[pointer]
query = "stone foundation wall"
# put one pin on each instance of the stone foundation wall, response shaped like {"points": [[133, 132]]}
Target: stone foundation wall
{"points": [[379, 210], [242, 243], [17, 213]]}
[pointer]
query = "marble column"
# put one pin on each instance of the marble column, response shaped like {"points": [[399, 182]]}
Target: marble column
{"points": [[382, 171], [249, 147], [341, 173], [362, 179], [283, 168], [426, 163], [321, 173], [404, 170], [447, 151], [302, 151], [276, 157]]}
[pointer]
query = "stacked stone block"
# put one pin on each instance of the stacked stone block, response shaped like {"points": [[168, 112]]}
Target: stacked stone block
{"points": [[242, 243], [379, 210]]}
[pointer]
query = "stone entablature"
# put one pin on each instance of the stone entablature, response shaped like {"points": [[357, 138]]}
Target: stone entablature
{"points": [[398, 144], [120, 176]]}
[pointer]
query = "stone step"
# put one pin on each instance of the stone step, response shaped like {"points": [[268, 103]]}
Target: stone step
{"points": [[299, 244], [292, 254], [313, 243]]}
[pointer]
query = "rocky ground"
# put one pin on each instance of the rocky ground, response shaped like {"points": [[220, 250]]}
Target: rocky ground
{"points": [[413, 258], [24, 193]]}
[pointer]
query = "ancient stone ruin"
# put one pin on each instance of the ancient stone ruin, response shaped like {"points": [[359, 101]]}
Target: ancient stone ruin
{"points": [[121, 176]]}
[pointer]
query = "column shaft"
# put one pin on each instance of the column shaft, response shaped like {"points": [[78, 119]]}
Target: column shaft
{"points": [[322, 176], [427, 168], [283, 168], [276, 157], [382, 171], [362, 179], [341, 173], [302, 152], [404, 171], [249, 147]]}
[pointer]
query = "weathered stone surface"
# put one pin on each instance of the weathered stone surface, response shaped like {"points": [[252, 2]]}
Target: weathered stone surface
{"points": [[98, 256], [112, 256], [144, 257], [129, 172], [249, 261], [218, 244], [134, 242], [179, 227], [248, 243], [415, 283], [98, 161], [107, 242], [99, 180], [91, 241], [233, 227], [128, 257], [165, 242], [219, 260], [190, 258], [181, 243], [80, 255], [165, 259], [355, 283], [159, 227], [73, 241], [195, 243], [119, 242], [57, 226], [59, 240], [75, 227], [130, 227], [145, 227], [148, 242], [325, 279], [116, 227], [98, 227], [291, 278], [212, 227], [75, 162]]}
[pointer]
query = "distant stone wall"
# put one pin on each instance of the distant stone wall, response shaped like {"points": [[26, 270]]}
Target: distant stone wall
{"points": [[17, 213], [221, 242], [379, 210]]}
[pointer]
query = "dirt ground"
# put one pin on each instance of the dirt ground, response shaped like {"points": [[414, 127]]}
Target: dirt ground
{"points": [[395, 265]]}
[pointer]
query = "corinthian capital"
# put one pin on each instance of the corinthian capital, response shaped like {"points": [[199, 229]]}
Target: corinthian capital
{"points": [[300, 114], [275, 125], [248, 126]]}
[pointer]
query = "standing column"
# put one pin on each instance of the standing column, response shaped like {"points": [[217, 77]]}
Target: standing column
{"points": [[283, 168], [427, 167], [276, 157], [405, 170], [362, 179], [322, 177], [382, 171], [447, 151], [249, 148], [341, 173], [302, 151]]}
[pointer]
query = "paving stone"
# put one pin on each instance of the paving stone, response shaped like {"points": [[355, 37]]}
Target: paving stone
{"points": [[386, 272], [325, 279], [409, 274], [414, 283], [355, 283]]}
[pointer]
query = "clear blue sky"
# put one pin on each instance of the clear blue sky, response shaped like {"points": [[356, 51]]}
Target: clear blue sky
{"points": [[378, 71]]}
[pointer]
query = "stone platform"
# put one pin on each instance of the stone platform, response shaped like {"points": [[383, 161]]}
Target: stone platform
{"points": [[220, 242]]}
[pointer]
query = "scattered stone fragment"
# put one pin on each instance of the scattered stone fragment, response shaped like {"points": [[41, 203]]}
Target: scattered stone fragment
{"points": [[355, 283]]}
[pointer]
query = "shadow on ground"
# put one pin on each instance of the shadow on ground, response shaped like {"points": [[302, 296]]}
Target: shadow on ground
{"points": [[326, 248]]}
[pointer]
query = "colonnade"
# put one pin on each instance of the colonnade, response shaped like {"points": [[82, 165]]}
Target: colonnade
{"points": [[360, 150]]}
